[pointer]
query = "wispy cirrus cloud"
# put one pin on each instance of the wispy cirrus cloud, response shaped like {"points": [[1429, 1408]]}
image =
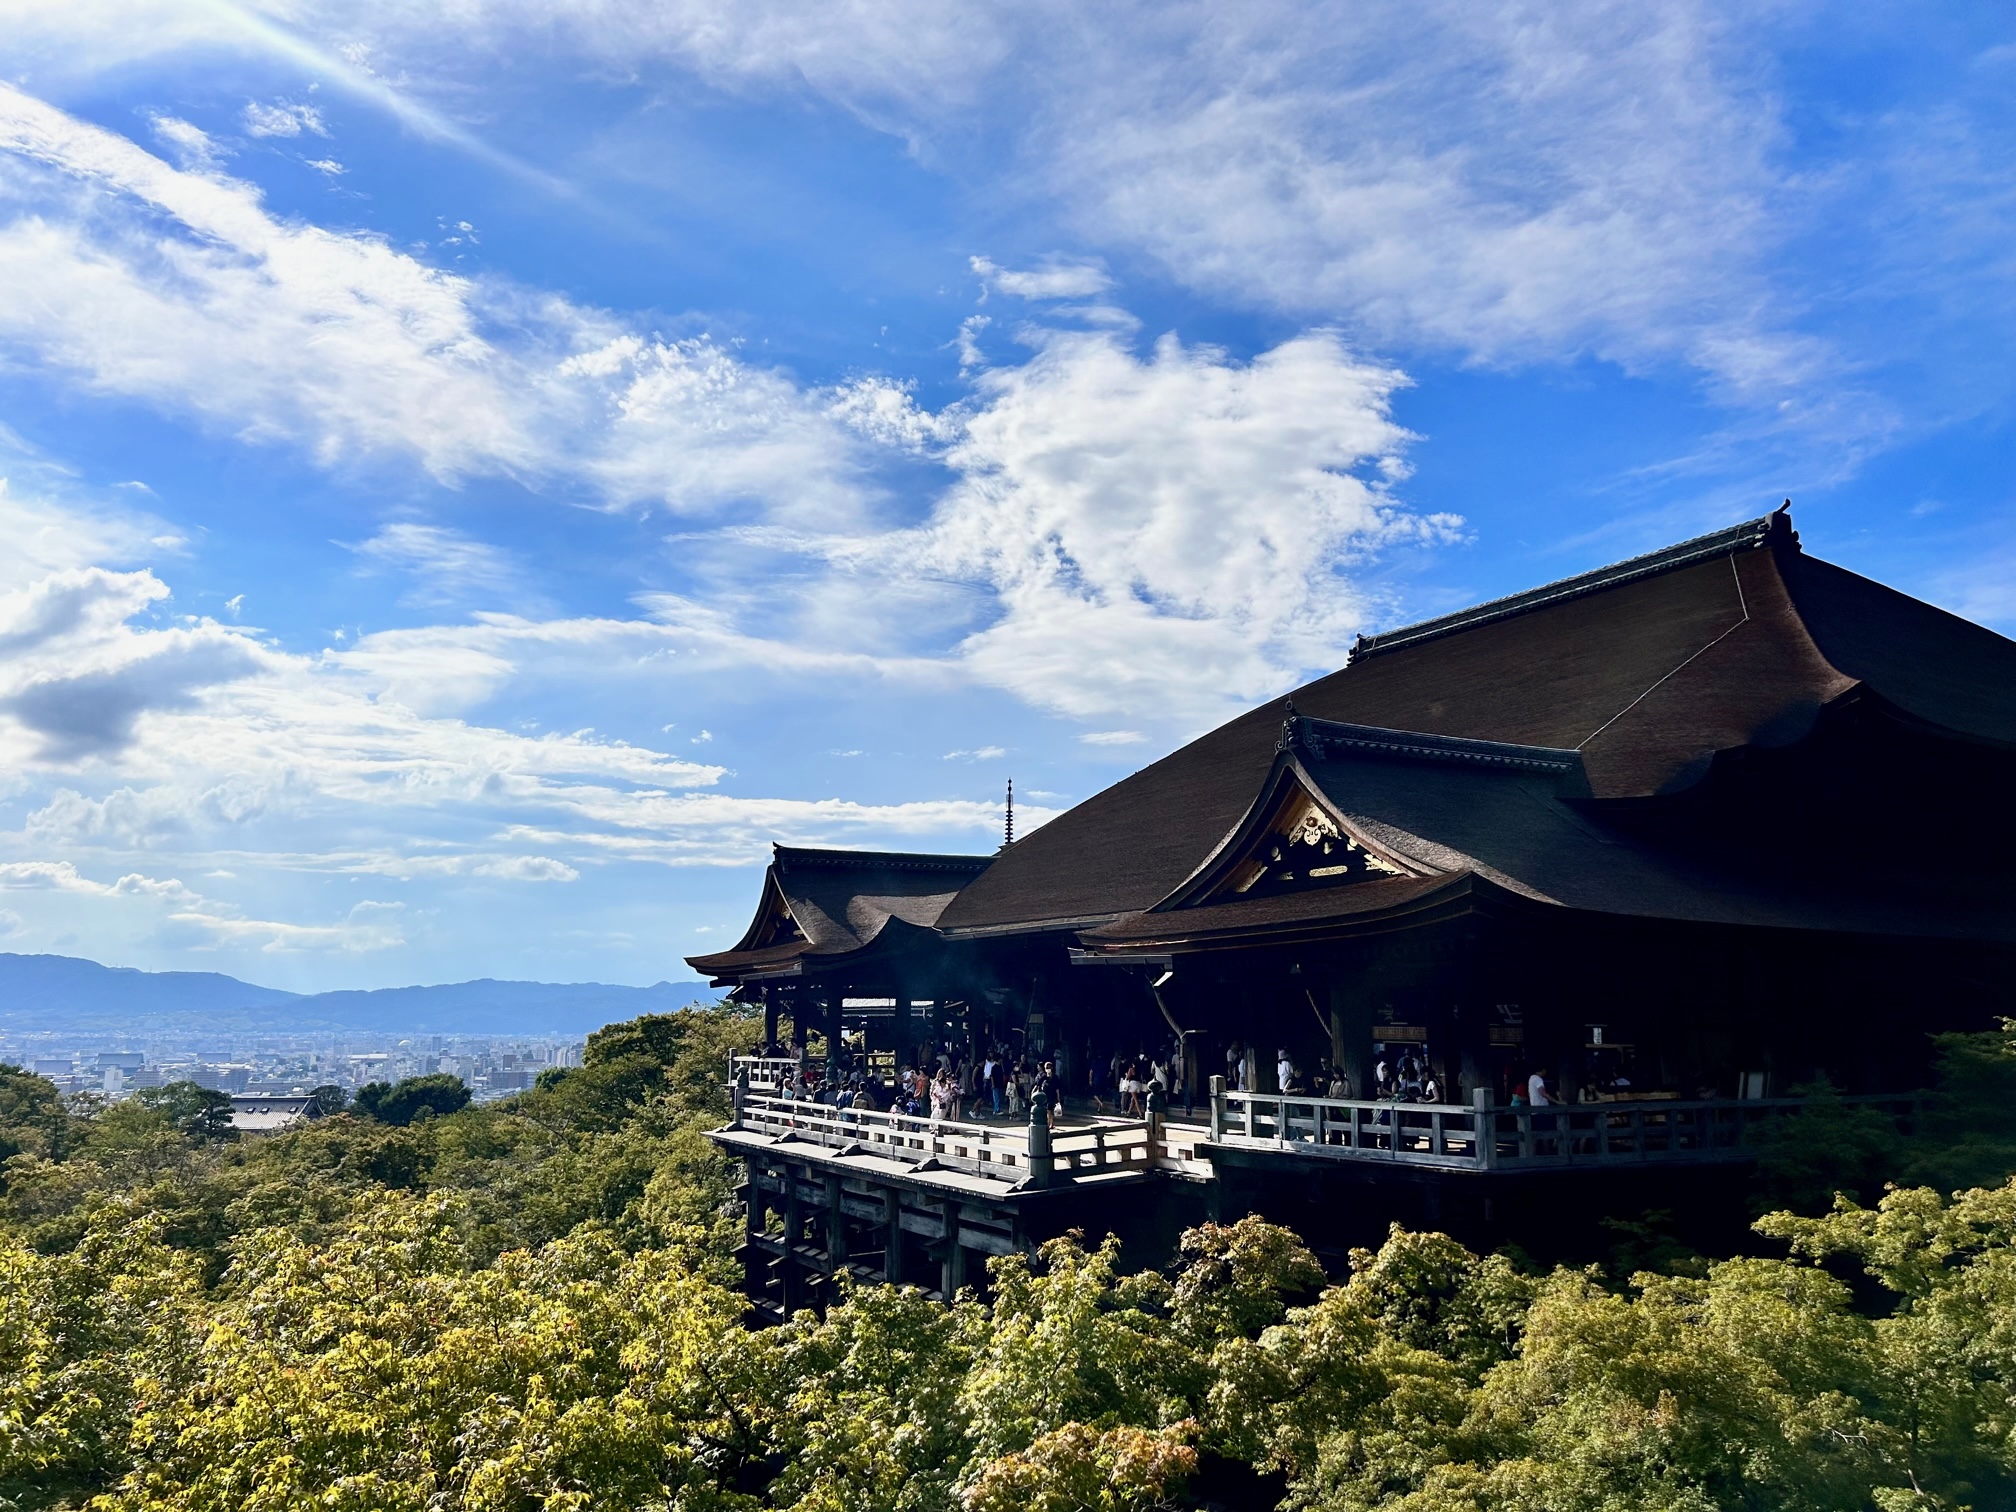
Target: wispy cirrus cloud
{"points": [[283, 118], [178, 288]]}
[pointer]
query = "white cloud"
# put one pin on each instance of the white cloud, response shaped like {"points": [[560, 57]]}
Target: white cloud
{"points": [[190, 143], [77, 679], [1113, 737], [45, 532], [446, 564], [236, 773], [178, 288], [369, 926], [1505, 182], [983, 753], [283, 118], [63, 876], [1165, 536], [1056, 278], [1492, 179]]}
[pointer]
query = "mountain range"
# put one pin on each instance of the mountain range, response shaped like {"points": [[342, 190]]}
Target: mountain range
{"points": [[43, 993]]}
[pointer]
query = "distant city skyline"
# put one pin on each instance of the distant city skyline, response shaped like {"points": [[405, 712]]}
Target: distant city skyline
{"points": [[473, 478]]}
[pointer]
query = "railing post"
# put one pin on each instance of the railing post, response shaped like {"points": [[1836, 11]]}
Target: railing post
{"points": [[1484, 1119], [1217, 1110], [1042, 1166], [740, 1096]]}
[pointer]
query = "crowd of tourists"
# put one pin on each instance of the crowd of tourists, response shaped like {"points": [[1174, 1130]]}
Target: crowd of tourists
{"points": [[948, 1084], [952, 1083]]}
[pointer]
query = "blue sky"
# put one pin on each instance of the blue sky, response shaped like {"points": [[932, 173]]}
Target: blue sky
{"points": [[476, 474]]}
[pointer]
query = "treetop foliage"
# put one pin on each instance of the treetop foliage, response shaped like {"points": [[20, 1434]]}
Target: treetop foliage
{"points": [[402, 1102], [525, 1305]]}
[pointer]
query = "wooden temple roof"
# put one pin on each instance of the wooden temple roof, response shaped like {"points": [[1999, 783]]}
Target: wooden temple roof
{"points": [[1647, 671], [827, 903], [1495, 827], [1725, 731]]}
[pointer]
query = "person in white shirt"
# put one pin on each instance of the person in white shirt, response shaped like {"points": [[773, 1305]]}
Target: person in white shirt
{"points": [[1537, 1094]]}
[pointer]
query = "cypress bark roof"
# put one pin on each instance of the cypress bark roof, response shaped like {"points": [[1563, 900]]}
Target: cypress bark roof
{"points": [[1647, 669], [1788, 838], [830, 902]]}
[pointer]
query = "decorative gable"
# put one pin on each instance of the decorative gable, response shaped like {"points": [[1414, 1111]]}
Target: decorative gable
{"points": [[774, 923], [1298, 847]]}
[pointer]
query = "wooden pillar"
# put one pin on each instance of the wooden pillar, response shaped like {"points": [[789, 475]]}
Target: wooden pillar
{"points": [[1473, 1049], [755, 1258], [794, 1224], [952, 1270], [1351, 1013], [904, 1031], [836, 1226], [769, 1018], [833, 1027], [892, 1251]]}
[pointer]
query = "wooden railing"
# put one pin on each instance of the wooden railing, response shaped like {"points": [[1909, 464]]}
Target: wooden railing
{"points": [[1452, 1136], [1030, 1154], [767, 1073]]}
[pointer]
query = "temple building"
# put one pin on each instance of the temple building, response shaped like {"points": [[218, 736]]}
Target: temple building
{"points": [[1694, 830]]}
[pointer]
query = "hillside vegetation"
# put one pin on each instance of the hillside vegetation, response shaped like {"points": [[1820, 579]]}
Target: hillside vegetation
{"points": [[528, 1306]]}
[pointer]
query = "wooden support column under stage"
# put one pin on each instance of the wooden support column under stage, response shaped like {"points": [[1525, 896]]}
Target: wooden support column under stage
{"points": [[836, 1225], [756, 1210], [892, 1251], [952, 1270], [794, 1226]]}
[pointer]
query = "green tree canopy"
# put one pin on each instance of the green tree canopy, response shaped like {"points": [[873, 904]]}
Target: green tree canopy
{"points": [[399, 1103]]}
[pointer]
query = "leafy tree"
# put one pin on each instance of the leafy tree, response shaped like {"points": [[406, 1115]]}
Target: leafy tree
{"points": [[416, 1097], [1078, 1468], [201, 1113], [521, 1306], [1967, 1136], [329, 1098], [86, 1338], [1829, 1146], [33, 1120]]}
